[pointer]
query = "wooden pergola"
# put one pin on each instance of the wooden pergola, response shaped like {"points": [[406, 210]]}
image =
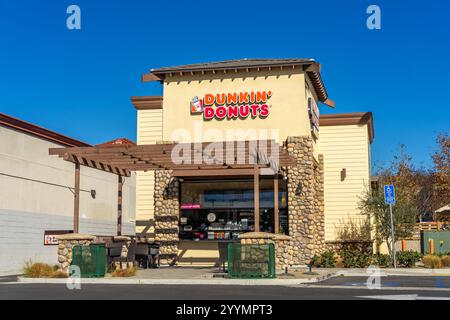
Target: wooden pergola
{"points": [[207, 159]]}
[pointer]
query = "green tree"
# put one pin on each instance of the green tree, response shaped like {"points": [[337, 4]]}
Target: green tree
{"points": [[405, 178], [404, 214]]}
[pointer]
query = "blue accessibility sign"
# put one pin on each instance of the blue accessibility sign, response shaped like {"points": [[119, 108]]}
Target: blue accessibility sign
{"points": [[389, 194]]}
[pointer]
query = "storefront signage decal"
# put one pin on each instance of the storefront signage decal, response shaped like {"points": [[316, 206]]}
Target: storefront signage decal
{"points": [[237, 105]]}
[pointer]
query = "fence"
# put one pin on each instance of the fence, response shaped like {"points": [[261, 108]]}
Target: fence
{"points": [[441, 241], [251, 260], [90, 259], [429, 226]]}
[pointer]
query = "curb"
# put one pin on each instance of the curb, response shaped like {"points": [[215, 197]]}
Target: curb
{"points": [[395, 272], [212, 281]]}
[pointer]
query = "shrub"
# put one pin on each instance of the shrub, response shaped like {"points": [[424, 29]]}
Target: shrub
{"points": [[353, 229], [431, 261], [408, 258], [128, 272], [37, 270], [446, 261], [58, 274], [355, 259], [382, 260], [42, 270], [325, 260], [328, 259]]}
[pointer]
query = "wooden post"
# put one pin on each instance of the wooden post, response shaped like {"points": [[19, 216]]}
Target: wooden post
{"points": [[275, 205], [431, 246], [403, 245], [119, 206], [76, 200], [256, 197]]}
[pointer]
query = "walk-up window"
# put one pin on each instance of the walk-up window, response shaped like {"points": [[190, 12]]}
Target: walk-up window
{"points": [[222, 209]]}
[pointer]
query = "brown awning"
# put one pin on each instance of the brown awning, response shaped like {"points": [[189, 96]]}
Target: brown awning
{"points": [[123, 159]]}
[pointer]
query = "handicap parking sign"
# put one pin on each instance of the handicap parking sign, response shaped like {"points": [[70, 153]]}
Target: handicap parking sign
{"points": [[389, 194]]}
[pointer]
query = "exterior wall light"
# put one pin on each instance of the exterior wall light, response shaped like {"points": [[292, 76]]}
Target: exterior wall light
{"points": [[343, 174], [299, 189]]}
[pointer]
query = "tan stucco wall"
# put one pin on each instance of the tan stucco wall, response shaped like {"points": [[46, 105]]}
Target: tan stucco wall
{"points": [[27, 156], [288, 105], [348, 147], [149, 127], [342, 146]]}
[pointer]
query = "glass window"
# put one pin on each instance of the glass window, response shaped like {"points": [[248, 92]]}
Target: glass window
{"points": [[222, 209]]}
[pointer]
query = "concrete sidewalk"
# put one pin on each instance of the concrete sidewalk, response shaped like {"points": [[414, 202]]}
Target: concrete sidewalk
{"points": [[211, 276], [194, 276]]}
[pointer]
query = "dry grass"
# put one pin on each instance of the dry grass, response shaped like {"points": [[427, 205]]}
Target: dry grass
{"points": [[42, 270], [431, 261], [58, 274], [446, 261], [129, 272]]}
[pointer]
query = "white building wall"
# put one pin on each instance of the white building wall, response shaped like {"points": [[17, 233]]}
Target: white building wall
{"points": [[28, 208]]}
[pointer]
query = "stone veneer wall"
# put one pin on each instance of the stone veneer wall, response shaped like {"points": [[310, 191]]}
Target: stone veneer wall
{"points": [[305, 205], [66, 242], [281, 245], [166, 215]]}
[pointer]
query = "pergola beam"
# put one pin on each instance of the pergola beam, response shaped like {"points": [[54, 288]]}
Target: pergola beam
{"points": [[121, 160]]}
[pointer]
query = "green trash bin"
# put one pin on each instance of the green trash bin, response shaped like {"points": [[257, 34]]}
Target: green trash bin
{"points": [[251, 260], [90, 259]]}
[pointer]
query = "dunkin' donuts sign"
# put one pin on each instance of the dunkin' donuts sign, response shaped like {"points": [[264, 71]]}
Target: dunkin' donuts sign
{"points": [[237, 105]]}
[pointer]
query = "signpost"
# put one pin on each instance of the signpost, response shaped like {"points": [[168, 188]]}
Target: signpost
{"points": [[389, 198]]}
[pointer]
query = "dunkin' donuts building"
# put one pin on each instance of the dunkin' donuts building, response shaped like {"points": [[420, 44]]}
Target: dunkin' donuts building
{"points": [[277, 165]]}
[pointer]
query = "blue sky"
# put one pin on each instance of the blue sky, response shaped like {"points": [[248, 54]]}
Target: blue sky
{"points": [[79, 82]]}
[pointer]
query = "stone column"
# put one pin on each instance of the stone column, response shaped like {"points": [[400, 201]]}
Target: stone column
{"points": [[305, 201], [283, 252], [66, 242], [166, 215], [281, 244]]}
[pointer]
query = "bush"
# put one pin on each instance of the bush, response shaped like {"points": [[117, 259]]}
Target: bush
{"points": [[325, 260], [355, 259], [408, 258], [382, 260], [431, 261], [42, 270], [37, 270], [446, 261], [128, 272], [58, 274]]}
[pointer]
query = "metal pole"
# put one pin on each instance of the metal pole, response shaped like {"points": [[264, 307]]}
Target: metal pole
{"points": [[76, 200], [119, 206], [392, 236]]}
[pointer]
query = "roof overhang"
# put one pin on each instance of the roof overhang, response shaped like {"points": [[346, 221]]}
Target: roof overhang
{"points": [[356, 118], [310, 67], [40, 132], [147, 102]]}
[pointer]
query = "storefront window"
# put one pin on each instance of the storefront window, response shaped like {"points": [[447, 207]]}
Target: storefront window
{"points": [[222, 209]]}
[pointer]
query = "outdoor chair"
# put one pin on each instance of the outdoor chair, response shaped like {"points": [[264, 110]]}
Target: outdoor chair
{"points": [[114, 251], [131, 255], [143, 255], [223, 254], [154, 254]]}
